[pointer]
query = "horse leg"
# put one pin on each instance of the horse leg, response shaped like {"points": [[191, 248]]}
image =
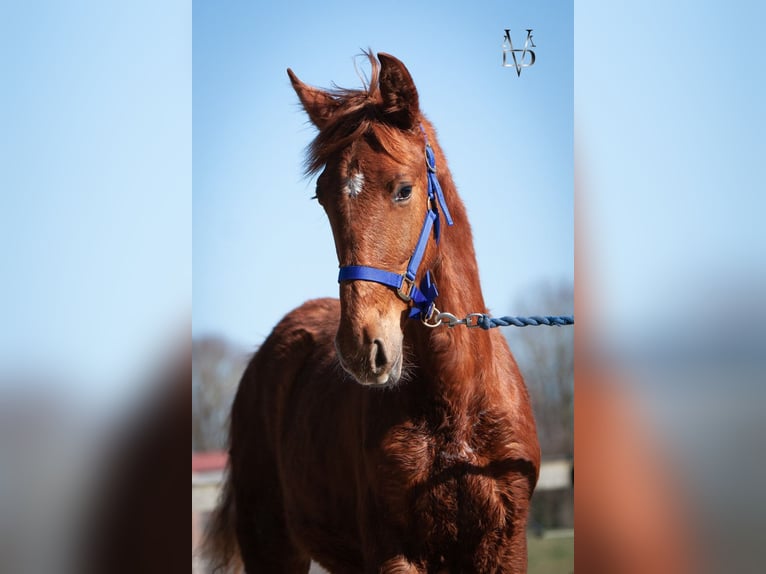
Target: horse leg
{"points": [[514, 554], [264, 538]]}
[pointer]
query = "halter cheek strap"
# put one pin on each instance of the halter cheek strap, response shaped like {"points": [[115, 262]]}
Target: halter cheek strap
{"points": [[424, 295]]}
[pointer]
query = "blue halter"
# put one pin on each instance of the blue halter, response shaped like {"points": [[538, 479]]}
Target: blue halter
{"points": [[423, 296]]}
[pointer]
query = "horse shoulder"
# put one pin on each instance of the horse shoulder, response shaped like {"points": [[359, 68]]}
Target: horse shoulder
{"points": [[271, 373]]}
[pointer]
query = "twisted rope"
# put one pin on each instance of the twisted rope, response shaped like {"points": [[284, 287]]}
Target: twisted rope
{"points": [[486, 322]]}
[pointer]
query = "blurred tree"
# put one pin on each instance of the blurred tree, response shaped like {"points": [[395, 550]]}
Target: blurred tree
{"points": [[546, 358], [217, 366]]}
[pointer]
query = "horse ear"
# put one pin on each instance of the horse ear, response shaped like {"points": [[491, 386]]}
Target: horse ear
{"points": [[319, 105], [400, 98]]}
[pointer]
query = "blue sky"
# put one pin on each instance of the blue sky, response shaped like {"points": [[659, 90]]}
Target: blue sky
{"points": [[261, 247]]}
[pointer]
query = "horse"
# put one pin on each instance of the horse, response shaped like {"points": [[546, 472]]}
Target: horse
{"points": [[362, 437]]}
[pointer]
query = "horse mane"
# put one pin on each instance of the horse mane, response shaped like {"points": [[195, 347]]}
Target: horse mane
{"points": [[357, 113]]}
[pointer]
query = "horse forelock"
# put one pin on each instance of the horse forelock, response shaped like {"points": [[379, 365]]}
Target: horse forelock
{"points": [[358, 115]]}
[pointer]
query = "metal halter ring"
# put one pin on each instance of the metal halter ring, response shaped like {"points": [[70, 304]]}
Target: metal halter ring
{"points": [[434, 316]]}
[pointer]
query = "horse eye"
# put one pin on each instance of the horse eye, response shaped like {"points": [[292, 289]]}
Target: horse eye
{"points": [[404, 193]]}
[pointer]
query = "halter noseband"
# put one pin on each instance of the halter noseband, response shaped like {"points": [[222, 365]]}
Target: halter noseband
{"points": [[423, 296]]}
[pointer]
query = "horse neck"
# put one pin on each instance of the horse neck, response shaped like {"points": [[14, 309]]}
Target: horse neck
{"points": [[457, 361]]}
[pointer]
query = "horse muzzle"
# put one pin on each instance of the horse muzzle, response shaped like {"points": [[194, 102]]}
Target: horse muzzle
{"points": [[373, 354]]}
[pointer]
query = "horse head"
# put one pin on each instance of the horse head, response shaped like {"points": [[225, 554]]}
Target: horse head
{"points": [[374, 189]]}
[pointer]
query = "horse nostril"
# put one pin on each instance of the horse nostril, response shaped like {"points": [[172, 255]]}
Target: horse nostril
{"points": [[378, 356]]}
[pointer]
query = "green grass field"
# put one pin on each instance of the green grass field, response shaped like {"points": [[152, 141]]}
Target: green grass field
{"points": [[550, 555]]}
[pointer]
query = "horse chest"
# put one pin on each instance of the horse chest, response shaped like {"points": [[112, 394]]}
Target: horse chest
{"points": [[437, 484]]}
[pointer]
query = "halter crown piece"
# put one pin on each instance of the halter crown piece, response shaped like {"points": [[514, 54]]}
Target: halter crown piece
{"points": [[423, 296]]}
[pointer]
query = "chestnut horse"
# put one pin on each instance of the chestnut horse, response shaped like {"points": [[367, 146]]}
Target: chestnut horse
{"points": [[360, 437]]}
